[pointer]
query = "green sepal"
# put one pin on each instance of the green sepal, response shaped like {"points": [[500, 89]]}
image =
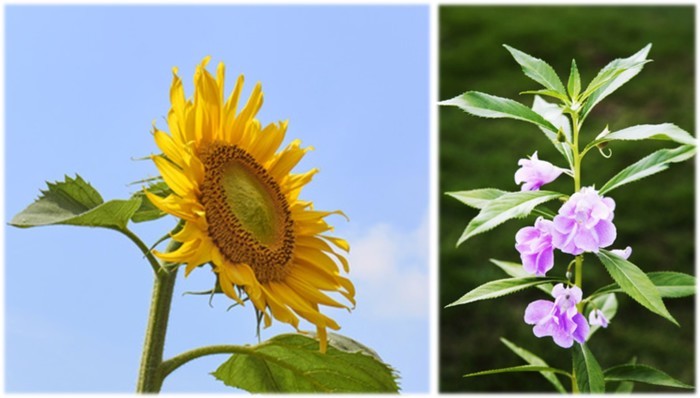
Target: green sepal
{"points": [[148, 211], [589, 375], [635, 283], [293, 363], [75, 202], [643, 374], [534, 360], [502, 287]]}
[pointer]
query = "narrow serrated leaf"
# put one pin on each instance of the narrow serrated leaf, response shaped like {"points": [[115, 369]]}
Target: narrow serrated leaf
{"points": [[664, 132], [634, 283], [534, 360], [516, 270], [537, 70], [491, 106], [589, 375], [293, 363], [477, 198], [548, 93], [654, 163], [553, 113], [669, 285], [574, 84], [612, 77], [507, 206], [75, 202], [502, 287], [521, 368], [643, 374]]}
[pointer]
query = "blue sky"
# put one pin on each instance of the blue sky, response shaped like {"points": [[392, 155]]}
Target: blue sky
{"points": [[83, 85]]}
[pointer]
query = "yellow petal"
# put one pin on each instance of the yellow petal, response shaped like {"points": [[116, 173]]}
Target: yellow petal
{"points": [[173, 176]]}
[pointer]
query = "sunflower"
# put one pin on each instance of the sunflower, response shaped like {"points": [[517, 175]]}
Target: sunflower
{"points": [[240, 206]]}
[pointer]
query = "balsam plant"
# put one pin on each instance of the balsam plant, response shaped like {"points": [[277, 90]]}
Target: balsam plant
{"points": [[583, 223]]}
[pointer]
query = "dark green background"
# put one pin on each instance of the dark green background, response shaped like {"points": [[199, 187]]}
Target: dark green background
{"points": [[655, 215]]}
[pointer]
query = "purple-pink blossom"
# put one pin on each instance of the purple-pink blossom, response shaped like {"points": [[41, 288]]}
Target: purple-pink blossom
{"points": [[535, 247], [559, 319], [584, 223], [533, 173], [623, 253], [596, 317]]}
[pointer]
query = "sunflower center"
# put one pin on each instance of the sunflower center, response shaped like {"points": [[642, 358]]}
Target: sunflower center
{"points": [[248, 215]]}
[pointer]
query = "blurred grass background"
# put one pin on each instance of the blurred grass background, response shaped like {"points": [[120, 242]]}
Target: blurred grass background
{"points": [[655, 215]]}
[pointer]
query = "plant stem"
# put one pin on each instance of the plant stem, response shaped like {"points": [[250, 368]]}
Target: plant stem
{"points": [[175, 362], [150, 376]]}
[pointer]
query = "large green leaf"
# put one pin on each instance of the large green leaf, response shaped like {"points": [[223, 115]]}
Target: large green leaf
{"points": [[516, 270], [589, 375], [502, 287], [491, 106], [626, 387], [669, 285], [643, 374], [612, 77], [293, 363], [508, 206], [606, 303], [649, 165], [537, 70], [75, 202], [534, 360], [635, 283], [664, 131]]}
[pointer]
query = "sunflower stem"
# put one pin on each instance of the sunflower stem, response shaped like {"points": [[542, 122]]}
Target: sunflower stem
{"points": [[150, 375]]}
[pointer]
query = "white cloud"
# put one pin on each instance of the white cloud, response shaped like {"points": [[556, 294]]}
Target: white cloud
{"points": [[390, 270]]}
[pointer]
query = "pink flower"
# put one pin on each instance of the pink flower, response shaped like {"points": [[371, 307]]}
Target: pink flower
{"points": [[534, 173], [584, 223], [596, 317], [623, 253], [559, 319], [535, 247]]}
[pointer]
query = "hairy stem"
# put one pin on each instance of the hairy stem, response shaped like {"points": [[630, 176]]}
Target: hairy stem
{"points": [[150, 376]]}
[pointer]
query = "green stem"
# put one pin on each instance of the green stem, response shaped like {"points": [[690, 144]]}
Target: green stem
{"points": [[144, 249], [175, 362], [150, 375]]}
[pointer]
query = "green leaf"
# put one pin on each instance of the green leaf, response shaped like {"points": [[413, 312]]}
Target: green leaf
{"points": [[477, 198], [643, 374], [574, 85], [664, 131], [649, 165], [491, 106], [606, 303], [502, 287], [75, 202], [534, 360], [612, 77], [626, 387], [293, 363], [537, 70], [635, 283], [669, 285], [516, 270], [148, 211], [589, 375], [507, 206], [522, 368], [548, 93]]}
